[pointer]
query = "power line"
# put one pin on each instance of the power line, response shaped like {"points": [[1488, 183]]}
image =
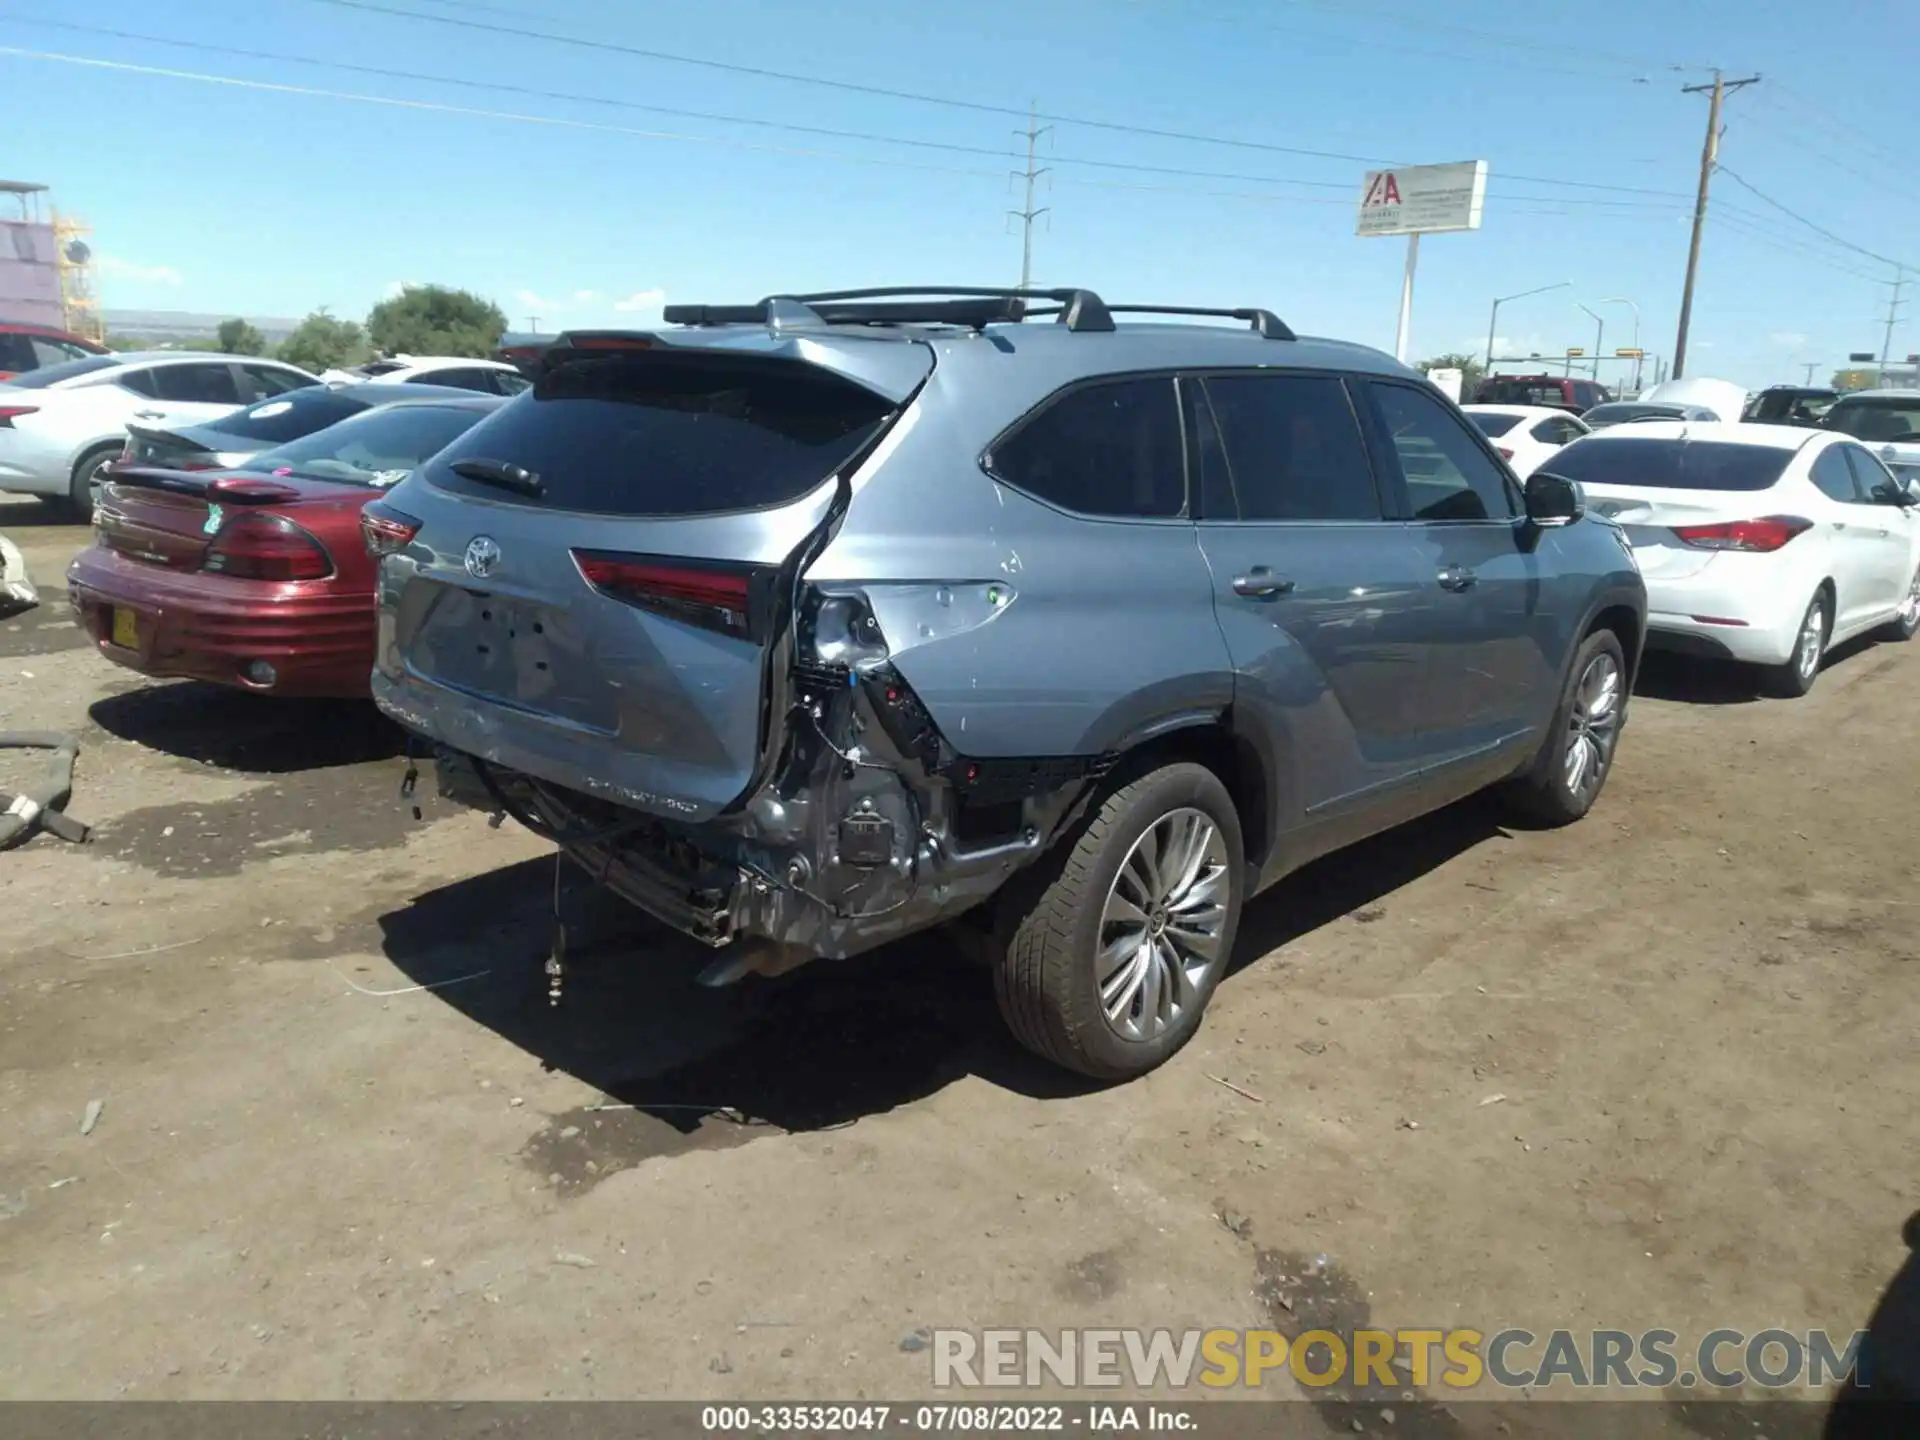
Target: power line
{"points": [[1797, 216], [795, 127], [920, 97]]}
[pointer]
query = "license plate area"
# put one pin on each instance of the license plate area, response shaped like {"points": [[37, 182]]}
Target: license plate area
{"points": [[123, 627], [511, 650]]}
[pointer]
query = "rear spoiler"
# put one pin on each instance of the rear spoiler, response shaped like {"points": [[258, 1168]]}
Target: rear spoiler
{"points": [[229, 487]]}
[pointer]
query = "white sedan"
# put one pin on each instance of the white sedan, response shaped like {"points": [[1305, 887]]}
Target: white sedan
{"points": [[1765, 544], [489, 377], [61, 426], [1525, 435]]}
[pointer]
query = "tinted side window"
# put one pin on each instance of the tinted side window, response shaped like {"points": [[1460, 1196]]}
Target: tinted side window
{"points": [[210, 384], [458, 379], [265, 381], [140, 382], [1448, 475], [16, 353], [507, 382], [55, 352], [1212, 484], [1833, 477], [1293, 448], [1872, 477], [1107, 449]]}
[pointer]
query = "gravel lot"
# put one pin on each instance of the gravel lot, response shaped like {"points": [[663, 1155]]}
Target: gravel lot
{"points": [[348, 1151]]}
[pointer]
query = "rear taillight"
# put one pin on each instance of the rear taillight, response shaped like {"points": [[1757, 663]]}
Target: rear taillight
{"points": [[250, 490], [727, 598], [1505, 453], [1761, 536], [266, 547], [386, 530], [9, 413]]}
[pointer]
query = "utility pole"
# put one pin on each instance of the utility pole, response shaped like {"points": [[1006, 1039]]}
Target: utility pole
{"points": [[1811, 367], [1709, 157], [1898, 282], [1027, 214], [533, 324]]}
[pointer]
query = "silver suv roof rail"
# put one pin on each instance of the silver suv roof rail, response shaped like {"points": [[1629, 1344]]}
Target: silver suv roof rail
{"points": [[968, 307]]}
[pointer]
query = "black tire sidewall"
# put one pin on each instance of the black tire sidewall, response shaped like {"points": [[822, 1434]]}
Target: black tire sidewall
{"points": [[80, 483], [1177, 787]]}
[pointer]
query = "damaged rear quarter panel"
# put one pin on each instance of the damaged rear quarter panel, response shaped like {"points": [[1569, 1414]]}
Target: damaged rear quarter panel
{"points": [[1109, 629]]}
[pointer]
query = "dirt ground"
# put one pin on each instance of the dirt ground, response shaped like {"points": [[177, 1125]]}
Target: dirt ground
{"points": [[347, 1150]]}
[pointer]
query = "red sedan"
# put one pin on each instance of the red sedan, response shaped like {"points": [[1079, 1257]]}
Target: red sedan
{"points": [[259, 578]]}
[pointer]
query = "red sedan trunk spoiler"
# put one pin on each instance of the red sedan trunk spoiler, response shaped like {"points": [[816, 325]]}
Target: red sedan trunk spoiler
{"points": [[226, 487]]}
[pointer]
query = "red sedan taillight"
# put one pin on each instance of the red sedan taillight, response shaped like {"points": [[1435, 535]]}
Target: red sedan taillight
{"points": [[1762, 536], [8, 413], [266, 547], [385, 530], [1505, 453]]}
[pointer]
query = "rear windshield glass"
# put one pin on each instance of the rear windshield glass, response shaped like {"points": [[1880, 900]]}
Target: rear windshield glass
{"points": [[1551, 393], [1672, 464], [54, 374], [379, 448], [288, 417], [1493, 424], [1623, 411], [1874, 421], [671, 435]]}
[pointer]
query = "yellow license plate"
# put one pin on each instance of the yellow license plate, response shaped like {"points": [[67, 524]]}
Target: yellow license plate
{"points": [[124, 633]]}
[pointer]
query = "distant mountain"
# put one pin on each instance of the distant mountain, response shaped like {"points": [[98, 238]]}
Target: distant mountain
{"points": [[187, 324]]}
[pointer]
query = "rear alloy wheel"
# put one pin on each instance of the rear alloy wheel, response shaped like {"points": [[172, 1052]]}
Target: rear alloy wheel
{"points": [[1566, 776], [1115, 946], [1906, 620], [89, 474], [1795, 678]]}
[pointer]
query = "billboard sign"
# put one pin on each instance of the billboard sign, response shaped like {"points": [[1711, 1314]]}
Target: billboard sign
{"points": [[29, 274], [1423, 199]]}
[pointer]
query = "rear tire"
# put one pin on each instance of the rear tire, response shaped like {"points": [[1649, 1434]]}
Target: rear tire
{"points": [[1160, 863], [86, 473], [1906, 621], [1566, 777], [1795, 678]]}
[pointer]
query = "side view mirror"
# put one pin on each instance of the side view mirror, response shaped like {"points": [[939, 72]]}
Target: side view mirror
{"points": [[1553, 500]]}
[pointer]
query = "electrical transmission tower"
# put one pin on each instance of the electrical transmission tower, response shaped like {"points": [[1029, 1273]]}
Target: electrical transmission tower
{"points": [[1027, 214], [1894, 302]]}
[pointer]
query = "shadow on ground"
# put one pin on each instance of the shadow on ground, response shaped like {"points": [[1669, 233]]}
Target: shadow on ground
{"points": [[258, 734], [685, 1067], [1694, 681]]}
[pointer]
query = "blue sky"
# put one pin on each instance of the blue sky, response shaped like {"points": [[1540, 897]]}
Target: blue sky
{"points": [[272, 201]]}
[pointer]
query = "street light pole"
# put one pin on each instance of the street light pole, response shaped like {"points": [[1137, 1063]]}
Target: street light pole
{"points": [[1599, 335], [1623, 300], [1493, 320]]}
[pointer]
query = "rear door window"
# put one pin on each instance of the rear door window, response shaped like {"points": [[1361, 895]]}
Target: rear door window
{"points": [[1833, 477], [16, 353], [671, 435], [1112, 448], [1293, 448], [209, 384], [264, 381], [55, 352], [1449, 476], [1494, 426], [464, 378], [288, 417]]}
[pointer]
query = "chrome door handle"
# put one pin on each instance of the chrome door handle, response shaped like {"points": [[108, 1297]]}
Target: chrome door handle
{"points": [[149, 414], [1456, 577], [1260, 583]]}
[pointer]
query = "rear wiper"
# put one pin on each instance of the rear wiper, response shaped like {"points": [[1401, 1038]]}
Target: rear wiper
{"points": [[501, 473]]}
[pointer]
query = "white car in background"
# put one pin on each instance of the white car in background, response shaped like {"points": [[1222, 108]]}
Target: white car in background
{"points": [[61, 426], [1526, 435], [1765, 544], [489, 377]]}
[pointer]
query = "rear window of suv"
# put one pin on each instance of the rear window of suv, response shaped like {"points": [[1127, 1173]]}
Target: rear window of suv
{"points": [[1673, 464], [670, 435]]}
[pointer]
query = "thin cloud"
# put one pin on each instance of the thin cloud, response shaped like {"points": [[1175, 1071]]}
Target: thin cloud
{"points": [[1788, 339], [129, 270], [585, 297], [537, 303], [641, 300]]}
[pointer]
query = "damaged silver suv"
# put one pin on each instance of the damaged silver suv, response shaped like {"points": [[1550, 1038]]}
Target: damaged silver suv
{"points": [[809, 624]]}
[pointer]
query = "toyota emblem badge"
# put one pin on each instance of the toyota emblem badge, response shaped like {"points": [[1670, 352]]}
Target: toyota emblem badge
{"points": [[483, 553]]}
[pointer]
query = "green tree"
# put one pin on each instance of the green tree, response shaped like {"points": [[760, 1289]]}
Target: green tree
{"points": [[237, 337], [1854, 379], [323, 341], [434, 320], [1470, 370]]}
